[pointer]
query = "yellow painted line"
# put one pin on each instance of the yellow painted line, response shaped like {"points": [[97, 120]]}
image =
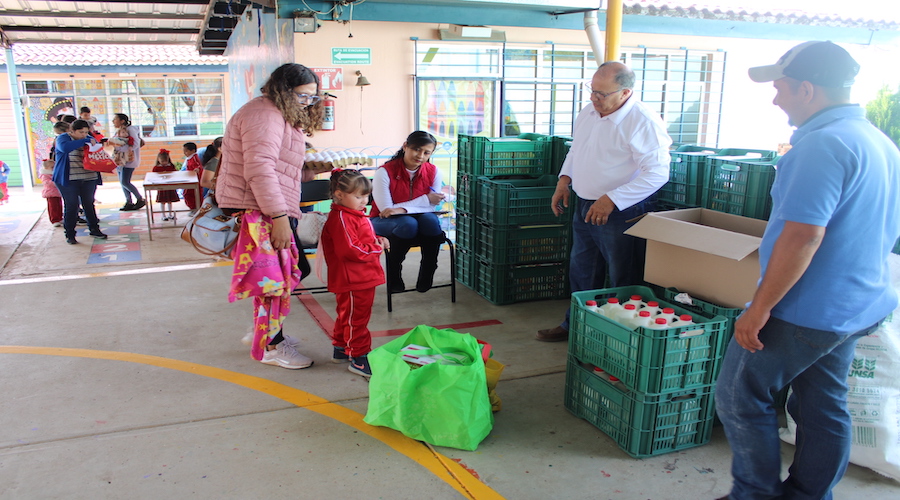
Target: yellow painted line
{"points": [[124, 272], [457, 477]]}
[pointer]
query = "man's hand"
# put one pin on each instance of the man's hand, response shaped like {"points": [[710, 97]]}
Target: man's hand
{"points": [[599, 212], [560, 200], [747, 327]]}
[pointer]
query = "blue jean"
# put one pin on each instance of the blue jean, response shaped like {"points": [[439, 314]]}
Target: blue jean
{"points": [[73, 193], [408, 226], [815, 363], [598, 248], [127, 187]]}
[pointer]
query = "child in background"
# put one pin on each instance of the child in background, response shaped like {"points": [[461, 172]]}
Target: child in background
{"points": [[85, 114], [54, 198], [191, 164], [166, 198], [352, 253], [4, 177]]}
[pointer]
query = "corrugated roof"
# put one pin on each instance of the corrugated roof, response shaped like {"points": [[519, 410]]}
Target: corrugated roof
{"points": [[869, 14], [39, 54]]}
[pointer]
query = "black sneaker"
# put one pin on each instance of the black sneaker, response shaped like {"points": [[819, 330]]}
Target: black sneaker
{"points": [[71, 241], [128, 207], [340, 355], [81, 221], [98, 234], [140, 204], [360, 366]]}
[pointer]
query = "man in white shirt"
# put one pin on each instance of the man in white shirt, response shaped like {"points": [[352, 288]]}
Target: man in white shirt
{"points": [[618, 160]]}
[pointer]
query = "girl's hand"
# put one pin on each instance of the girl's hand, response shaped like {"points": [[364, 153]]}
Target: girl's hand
{"points": [[435, 198], [384, 242], [281, 233], [387, 212]]}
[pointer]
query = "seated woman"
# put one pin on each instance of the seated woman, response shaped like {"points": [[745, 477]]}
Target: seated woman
{"points": [[405, 190]]}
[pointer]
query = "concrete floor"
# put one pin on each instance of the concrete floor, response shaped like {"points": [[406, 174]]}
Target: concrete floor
{"points": [[128, 378]]}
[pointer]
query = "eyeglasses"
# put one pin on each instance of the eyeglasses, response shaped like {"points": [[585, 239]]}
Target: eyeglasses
{"points": [[308, 99], [598, 94]]}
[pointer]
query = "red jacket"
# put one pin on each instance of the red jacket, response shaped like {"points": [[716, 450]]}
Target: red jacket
{"points": [[402, 187], [351, 251]]}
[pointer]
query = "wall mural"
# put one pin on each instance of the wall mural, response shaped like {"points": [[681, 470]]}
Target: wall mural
{"points": [[260, 44]]}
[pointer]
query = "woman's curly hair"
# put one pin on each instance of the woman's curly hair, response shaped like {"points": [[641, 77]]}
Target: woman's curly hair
{"points": [[280, 89]]}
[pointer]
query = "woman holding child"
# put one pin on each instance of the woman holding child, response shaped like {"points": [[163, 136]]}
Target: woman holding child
{"points": [[127, 153]]}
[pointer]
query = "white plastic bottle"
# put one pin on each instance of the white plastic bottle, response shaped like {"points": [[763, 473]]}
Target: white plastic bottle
{"points": [[591, 305], [637, 300], [669, 314], [626, 315], [652, 307], [683, 320], [611, 308], [618, 384], [642, 320], [600, 373], [659, 324]]}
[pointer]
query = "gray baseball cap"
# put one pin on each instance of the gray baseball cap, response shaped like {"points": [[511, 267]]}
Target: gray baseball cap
{"points": [[821, 63]]}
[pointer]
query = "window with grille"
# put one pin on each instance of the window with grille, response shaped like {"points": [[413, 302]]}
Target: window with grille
{"points": [[540, 88]]}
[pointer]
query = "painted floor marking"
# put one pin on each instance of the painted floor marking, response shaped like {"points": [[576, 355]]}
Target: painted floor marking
{"points": [[446, 470], [124, 272]]}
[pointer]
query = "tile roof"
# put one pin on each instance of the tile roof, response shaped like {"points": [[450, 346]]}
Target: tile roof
{"points": [[39, 54], [869, 14]]}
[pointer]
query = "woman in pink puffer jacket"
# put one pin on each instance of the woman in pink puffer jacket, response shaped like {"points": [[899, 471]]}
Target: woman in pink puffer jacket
{"points": [[260, 173]]}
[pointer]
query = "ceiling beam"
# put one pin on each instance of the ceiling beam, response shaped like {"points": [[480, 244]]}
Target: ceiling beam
{"points": [[166, 2], [100, 15], [65, 29]]}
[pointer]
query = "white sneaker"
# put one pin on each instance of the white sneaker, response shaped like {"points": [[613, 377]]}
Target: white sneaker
{"points": [[291, 341], [57, 224], [286, 356]]}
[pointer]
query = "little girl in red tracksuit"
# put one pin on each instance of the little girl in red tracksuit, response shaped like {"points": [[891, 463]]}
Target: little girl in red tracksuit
{"points": [[352, 253]]}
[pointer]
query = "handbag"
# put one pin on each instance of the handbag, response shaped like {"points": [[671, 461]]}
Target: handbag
{"points": [[309, 228], [441, 404], [211, 231], [97, 160]]}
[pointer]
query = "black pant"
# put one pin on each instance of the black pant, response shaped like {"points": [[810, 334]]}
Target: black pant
{"points": [[73, 193]]}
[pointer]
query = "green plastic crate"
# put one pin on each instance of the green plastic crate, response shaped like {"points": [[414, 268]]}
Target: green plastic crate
{"points": [[503, 156], [642, 425], [466, 231], [740, 185], [465, 266], [559, 149], [523, 244], [506, 284], [646, 360], [687, 173], [708, 309], [518, 202], [466, 192]]}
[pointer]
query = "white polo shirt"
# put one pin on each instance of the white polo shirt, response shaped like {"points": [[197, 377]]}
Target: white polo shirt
{"points": [[624, 155]]}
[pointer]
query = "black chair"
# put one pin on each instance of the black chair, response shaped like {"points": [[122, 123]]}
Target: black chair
{"points": [[417, 243], [311, 193]]}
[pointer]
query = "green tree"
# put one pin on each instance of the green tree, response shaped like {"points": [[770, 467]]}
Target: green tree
{"points": [[884, 113]]}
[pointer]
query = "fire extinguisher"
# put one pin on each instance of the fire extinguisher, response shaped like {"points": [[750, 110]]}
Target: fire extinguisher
{"points": [[328, 106]]}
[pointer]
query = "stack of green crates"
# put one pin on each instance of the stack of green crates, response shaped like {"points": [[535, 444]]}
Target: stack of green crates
{"points": [[687, 173], [740, 184], [664, 399], [510, 246]]}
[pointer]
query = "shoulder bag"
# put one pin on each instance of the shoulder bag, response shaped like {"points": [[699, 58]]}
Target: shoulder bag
{"points": [[212, 232]]}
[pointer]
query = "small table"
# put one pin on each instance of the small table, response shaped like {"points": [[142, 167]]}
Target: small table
{"points": [[168, 181]]}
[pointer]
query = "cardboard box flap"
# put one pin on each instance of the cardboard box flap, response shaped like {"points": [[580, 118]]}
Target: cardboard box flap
{"points": [[694, 235]]}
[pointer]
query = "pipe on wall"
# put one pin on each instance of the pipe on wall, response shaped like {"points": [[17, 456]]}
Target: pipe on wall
{"points": [[593, 33]]}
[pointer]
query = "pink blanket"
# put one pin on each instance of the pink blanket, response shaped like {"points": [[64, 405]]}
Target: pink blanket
{"points": [[265, 274]]}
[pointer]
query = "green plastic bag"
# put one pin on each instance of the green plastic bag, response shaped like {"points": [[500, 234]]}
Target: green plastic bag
{"points": [[444, 405]]}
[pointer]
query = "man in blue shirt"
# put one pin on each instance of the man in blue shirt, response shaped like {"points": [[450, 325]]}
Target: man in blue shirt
{"points": [[825, 280]]}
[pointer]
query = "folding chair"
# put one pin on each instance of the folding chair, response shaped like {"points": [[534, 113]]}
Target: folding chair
{"points": [[311, 193]]}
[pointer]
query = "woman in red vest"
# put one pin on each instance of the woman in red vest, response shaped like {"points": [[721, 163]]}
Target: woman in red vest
{"points": [[405, 190]]}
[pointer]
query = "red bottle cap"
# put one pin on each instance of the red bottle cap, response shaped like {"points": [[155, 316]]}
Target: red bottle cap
{"points": [[597, 369], [653, 303], [613, 301], [686, 317], [668, 310], [613, 379], [636, 297], [644, 314], [630, 307], [591, 303], [661, 321]]}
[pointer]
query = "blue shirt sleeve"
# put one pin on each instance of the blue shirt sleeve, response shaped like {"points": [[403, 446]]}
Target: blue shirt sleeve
{"points": [[811, 186]]}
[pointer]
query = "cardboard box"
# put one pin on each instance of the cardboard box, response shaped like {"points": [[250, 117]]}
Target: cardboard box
{"points": [[711, 255]]}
